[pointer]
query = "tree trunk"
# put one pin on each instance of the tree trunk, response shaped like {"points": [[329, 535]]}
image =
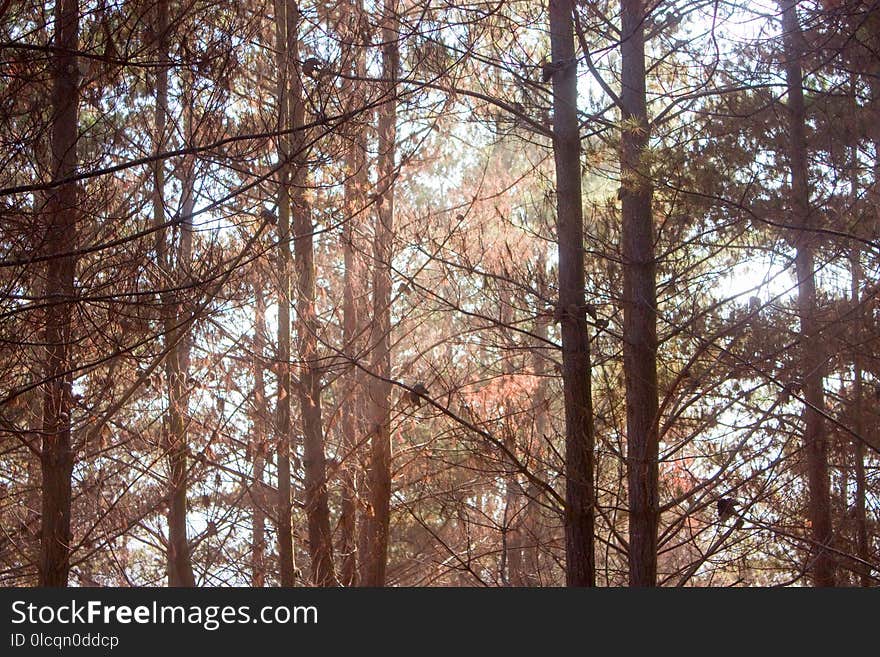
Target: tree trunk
{"points": [[33, 501], [352, 309], [822, 565], [863, 543], [317, 507], [576, 368], [56, 457], [177, 374], [861, 519], [514, 502], [379, 476], [176, 324], [533, 525], [864, 537], [286, 564], [639, 303], [258, 446]]}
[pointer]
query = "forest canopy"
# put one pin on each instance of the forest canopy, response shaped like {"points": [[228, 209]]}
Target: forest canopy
{"points": [[414, 293]]}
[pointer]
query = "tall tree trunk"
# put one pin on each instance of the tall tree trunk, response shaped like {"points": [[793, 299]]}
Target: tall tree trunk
{"points": [[56, 457], [822, 565], [258, 446], [176, 324], [180, 572], [352, 309], [533, 526], [861, 515], [864, 537], [33, 500], [317, 507], [514, 503], [352, 402], [286, 564], [576, 368], [379, 476], [639, 302]]}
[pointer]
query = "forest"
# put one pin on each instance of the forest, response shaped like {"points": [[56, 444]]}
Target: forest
{"points": [[439, 293]]}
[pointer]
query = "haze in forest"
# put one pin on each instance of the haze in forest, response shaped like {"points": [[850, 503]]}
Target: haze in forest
{"points": [[405, 293]]}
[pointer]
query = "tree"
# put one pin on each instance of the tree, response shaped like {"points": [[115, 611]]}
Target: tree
{"points": [[286, 26], [176, 323], [379, 476], [353, 330], [576, 369], [57, 455], [811, 364], [639, 300], [320, 539], [258, 445]]}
